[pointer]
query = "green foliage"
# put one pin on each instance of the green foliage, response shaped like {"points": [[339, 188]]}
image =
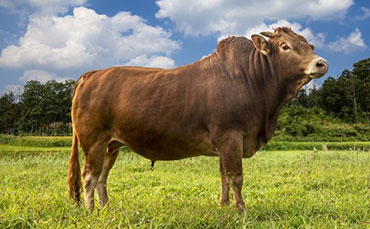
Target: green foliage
{"points": [[299, 123], [304, 189], [46, 105], [346, 97], [9, 113], [41, 109], [362, 72]]}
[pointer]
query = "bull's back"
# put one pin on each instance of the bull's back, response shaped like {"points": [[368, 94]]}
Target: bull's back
{"points": [[160, 114]]}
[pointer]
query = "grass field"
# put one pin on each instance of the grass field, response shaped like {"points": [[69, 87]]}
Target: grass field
{"points": [[306, 189], [55, 143]]}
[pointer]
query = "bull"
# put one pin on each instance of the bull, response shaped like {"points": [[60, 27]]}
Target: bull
{"points": [[224, 105]]}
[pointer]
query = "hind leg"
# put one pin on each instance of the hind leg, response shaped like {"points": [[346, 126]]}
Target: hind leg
{"points": [[94, 159], [101, 187]]}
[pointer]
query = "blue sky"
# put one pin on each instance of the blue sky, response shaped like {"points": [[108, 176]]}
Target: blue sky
{"points": [[62, 39]]}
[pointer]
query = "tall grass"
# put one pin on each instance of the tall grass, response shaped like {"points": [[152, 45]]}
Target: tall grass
{"points": [[282, 189]]}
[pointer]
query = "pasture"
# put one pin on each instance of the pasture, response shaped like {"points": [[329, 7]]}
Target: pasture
{"points": [[316, 188]]}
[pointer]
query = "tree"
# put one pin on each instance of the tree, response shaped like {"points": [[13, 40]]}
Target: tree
{"points": [[33, 115], [46, 107], [361, 73], [332, 96], [301, 98], [9, 113], [314, 98]]}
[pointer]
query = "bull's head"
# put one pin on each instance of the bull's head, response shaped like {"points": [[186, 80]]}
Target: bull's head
{"points": [[294, 56]]}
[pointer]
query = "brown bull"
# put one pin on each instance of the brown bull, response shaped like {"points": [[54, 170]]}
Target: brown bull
{"points": [[224, 105]]}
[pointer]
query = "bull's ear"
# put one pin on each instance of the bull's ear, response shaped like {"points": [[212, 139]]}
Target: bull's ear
{"points": [[261, 44]]}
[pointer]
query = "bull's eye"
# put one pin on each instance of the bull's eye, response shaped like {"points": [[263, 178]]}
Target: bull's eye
{"points": [[285, 47]]}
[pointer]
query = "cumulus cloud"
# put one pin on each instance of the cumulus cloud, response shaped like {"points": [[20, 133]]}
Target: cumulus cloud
{"points": [[347, 45], [316, 39], [86, 39], [225, 17], [239, 17], [40, 7], [353, 42], [153, 61], [40, 75]]}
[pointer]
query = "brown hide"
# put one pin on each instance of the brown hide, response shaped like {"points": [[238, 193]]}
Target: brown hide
{"points": [[178, 113], [224, 105]]}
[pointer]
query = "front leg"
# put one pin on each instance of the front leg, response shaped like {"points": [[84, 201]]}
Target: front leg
{"points": [[231, 155], [225, 187]]}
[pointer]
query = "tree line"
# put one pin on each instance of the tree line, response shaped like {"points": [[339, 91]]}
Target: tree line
{"points": [[346, 98], [41, 109], [44, 109]]}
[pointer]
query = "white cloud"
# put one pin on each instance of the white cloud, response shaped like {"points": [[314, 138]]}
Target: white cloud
{"points": [[353, 42], [231, 17], [86, 40], [365, 14], [153, 61], [316, 39], [310, 86], [350, 44], [41, 76], [40, 7], [17, 90]]}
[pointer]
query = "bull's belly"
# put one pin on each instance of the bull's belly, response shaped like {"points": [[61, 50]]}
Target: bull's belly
{"points": [[172, 155], [178, 148], [169, 150]]}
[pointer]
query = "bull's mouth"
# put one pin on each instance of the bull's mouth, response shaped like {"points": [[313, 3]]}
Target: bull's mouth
{"points": [[315, 75]]}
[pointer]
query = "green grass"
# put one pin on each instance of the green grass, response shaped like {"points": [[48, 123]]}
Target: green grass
{"points": [[6, 148], [36, 141], [282, 189], [56, 143], [287, 145]]}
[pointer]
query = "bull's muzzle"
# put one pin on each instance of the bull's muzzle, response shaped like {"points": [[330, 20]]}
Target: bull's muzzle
{"points": [[317, 68]]}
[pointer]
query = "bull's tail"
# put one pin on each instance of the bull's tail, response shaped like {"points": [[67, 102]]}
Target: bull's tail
{"points": [[74, 171]]}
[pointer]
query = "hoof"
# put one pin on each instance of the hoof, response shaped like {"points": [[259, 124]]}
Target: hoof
{"points": [[241, 208], [224, 203]]}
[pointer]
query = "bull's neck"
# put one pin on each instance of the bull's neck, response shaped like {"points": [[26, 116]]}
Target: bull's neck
{"points": [[264, 92], [268, 95]]}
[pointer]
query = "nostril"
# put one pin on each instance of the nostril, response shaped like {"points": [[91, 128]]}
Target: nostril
{"points": [[317, 67], [320, 64]]}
